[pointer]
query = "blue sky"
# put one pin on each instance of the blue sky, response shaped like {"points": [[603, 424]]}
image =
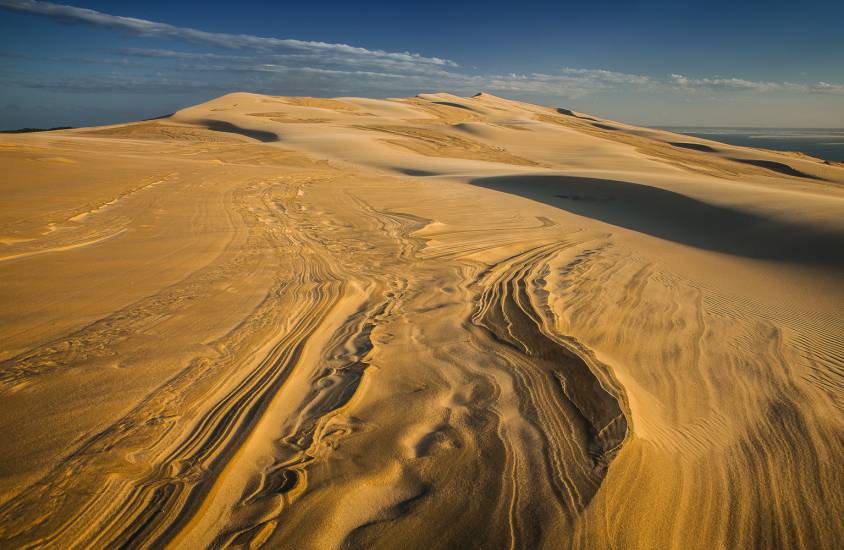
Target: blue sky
{"points": [[714, 63]]}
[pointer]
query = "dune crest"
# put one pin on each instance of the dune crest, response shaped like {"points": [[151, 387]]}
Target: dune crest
{"points": [[427, 322]]}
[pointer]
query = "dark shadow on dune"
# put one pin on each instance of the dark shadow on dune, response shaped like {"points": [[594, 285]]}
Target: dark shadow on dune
{"points": [[161, 117], [693, 146], [468, 128], [777, 167], [222, 126], [569, 112], [415, 173], [780, 167], [679, 218], [604, 126], [452, 104]]}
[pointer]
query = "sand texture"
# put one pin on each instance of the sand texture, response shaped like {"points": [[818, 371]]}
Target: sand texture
{"points": [[433, 322]]}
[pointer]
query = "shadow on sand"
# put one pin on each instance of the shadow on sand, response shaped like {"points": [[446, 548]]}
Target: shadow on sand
{"points": [[780, 167], [679, 218], [222, 126]]}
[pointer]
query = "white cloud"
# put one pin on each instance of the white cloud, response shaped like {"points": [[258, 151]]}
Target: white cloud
{"points": [[725, 84], [143, 27], [827, 88], [743, 85], [282, 65], [604, 76]]}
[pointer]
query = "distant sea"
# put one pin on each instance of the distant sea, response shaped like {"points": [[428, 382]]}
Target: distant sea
{"points": [[824, 143]]}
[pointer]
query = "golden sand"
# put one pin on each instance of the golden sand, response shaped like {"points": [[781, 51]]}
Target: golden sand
{"points": [[435, 322]]}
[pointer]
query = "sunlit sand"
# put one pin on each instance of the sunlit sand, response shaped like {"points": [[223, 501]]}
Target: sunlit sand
{"points": [[433, 322]]}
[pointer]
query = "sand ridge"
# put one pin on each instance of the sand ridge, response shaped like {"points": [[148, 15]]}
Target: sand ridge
{"points": [[423, 322]]}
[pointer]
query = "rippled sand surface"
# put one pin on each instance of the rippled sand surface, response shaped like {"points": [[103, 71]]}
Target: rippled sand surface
{"points": [[434, 322]]}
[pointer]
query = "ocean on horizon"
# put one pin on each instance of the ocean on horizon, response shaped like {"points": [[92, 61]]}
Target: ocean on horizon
{"points": [[823, 143]]}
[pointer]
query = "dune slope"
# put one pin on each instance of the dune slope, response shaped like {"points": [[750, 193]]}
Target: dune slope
{"points": [[432, 322]]}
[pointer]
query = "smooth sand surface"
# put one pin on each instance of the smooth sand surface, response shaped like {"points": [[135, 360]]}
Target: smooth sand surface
{"points": [[433, 322]]}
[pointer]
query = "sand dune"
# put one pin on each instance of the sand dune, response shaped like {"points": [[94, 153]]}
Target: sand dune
{"points": [[432, 322]]}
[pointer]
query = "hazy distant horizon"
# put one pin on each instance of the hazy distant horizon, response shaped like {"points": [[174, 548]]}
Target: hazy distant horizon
{"points": [[649, 64], [823, 143], [674, 126]]}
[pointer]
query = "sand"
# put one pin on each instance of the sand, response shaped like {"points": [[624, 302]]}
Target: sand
{"points": [[433, 322]]}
